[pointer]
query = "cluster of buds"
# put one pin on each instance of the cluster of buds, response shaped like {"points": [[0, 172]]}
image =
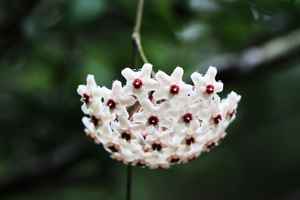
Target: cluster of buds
{"points": [[155, 119]]}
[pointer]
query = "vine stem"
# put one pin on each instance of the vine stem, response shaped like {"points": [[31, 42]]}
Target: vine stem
{"points": [[136, 35], [137, 48], [129, 182]]}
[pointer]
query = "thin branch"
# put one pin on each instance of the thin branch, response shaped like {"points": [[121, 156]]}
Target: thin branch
{"points": [[137, 48], [139, 16], [136, 35], [271, 54]]}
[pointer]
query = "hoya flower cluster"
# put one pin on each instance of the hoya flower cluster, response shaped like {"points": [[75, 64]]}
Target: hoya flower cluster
{"points": [[156, 119]]}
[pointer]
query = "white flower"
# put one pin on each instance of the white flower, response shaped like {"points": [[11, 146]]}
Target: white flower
{"points": [[171, 86], [116, 98], [152, 116], [230, 105], [157, 121], [100, 111], [139, 82], [207, 84], [88, 92], [90, 128]]}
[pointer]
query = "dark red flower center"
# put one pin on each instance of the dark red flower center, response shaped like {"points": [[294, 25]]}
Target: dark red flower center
{"points": [[153, 120], [126, 136], [231, 114], [156, 146], [150, 95], [114, 148], [111, 104], [137, 83], [174, 159], [210, 146], [217, 119], [86, 98], [187, 117], [174, 89], [191, 158], [190, 140], [140, 163], [210, 89], [95, 120]]}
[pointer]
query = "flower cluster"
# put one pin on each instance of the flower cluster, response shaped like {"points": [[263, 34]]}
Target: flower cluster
{"points": [[155, 119]]}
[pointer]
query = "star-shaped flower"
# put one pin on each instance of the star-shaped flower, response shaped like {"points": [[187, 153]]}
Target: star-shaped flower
{"points": [[207, 84], [88, 92], [139, 82], [171, 86], [116, 98], [151, 115], [230, 105]]}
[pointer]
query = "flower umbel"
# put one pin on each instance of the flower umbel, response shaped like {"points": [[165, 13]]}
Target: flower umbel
{"points": [[157, 121]]}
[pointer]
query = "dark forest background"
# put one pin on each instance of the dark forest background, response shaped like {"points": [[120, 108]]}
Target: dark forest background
{"points": [[47, 47]]}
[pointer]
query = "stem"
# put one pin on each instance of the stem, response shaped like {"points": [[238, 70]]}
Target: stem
{"points": [[129, 182], [136, 35], [136, 48]]}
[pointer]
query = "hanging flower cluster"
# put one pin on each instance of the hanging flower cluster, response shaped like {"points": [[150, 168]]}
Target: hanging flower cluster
{"points": [[157, 120]]}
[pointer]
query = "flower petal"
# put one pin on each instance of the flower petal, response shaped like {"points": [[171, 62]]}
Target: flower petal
{"points": [[211, 73], [116, 88], [81, 89], [160, 94], [151, 84], [128, 74], [84, 109], [163, 78], [197, 78], [218, 86], [106, 93], [139, 117], [177, 74], [90, 81], [146, 70], [88, 124]]}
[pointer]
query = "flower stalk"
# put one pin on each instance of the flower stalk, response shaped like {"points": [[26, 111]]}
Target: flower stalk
{"points": [[137, 48], [129, 182], [136, 35]]}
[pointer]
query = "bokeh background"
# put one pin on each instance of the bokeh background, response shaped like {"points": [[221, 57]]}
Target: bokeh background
{"points": [[47, 47]]}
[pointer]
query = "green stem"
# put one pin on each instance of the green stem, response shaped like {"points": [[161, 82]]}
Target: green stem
{"points": [[136, 35], [129, 182], [137, 48]]}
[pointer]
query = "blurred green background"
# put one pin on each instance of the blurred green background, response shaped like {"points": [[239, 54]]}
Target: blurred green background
{"points": [[47, 47]]}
